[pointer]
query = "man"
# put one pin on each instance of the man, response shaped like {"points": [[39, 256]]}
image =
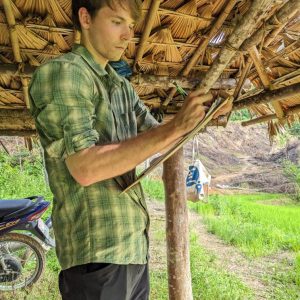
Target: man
{"points": [[95, 131]]}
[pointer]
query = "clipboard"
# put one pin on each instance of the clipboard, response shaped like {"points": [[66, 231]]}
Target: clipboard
{"points": [[215, 107]]}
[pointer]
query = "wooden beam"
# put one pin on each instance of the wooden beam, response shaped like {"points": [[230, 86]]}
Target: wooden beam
{"points": [[177, 229], [27, 70], [284, 93], [146, 33], [16, 120], [22, 133], [290, 112], [242, 31], [202, 46], [12, 69], [166, 82], [33, 51], [273, 26], [12, 30], [173, 64]]}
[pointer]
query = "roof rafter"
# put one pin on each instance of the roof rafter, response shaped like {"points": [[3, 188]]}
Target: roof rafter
{"points": [[202, 46]]}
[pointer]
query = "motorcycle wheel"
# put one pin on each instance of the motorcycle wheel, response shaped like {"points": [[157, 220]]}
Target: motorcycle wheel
{"points": [[24, 261]]}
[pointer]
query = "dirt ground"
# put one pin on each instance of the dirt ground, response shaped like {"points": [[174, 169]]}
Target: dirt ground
{"points": [[243, 158]]}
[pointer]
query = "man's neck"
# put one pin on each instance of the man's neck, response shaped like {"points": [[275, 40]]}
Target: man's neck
{"points": [[96, 56]]}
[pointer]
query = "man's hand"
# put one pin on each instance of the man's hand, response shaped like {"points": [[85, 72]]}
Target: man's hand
{"points": [[192, 111]]}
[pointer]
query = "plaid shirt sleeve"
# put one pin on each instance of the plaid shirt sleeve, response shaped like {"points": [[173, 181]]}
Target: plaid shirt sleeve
{"points": [[62, 96]]}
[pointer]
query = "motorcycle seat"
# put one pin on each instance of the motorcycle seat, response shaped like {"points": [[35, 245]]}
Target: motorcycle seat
{"points": [[14, 207]]}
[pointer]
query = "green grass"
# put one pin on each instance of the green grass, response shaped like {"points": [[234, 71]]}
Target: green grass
{"points": [[256, 228], [208, 281], [154, 189]]}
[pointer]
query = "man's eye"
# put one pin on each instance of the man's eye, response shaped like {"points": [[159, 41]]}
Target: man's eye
{"points": [[116, 22]]}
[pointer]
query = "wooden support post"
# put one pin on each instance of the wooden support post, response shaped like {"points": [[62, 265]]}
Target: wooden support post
{"points": [[180, 287]]}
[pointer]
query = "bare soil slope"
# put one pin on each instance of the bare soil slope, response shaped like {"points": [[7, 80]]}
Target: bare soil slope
{"points": [[243, 157]]}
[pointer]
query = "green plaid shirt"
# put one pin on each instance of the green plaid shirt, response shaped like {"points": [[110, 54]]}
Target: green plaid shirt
{"points": [[77, 104]]}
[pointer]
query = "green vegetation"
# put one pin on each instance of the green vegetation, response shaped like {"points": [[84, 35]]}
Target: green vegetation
{"points": [[249, 222], [22, 175], [240, 115], [256, 228], [292, 171]]}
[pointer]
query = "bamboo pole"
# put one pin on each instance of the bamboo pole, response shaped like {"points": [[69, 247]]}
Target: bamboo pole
{"points": [[291, 111], [177, 229], [202, 46], [25, 91], [281, 94], [149, 24], [264, 78], [259, 67], [12, 30], [242, 31], [243, 77]]}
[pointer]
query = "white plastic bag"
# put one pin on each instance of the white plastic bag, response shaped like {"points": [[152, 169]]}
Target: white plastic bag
{"points": [[198, 179]]}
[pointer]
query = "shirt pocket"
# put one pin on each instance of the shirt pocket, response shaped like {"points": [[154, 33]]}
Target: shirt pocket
{"points": [[126, 125]]}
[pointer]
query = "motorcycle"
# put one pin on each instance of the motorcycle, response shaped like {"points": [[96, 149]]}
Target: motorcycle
{"points": [[22, 253]]}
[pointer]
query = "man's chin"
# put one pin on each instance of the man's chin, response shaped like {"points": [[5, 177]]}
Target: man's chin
{"points": [[115, 58]]}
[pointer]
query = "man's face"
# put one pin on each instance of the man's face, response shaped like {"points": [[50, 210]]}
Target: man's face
{"points": [[110, 32]]}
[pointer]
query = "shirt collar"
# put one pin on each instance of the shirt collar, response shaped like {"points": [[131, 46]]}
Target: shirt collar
{"points": [[86, 55]]}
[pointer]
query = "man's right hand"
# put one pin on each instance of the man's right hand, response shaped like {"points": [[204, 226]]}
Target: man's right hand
{"points": [[192, 111]]}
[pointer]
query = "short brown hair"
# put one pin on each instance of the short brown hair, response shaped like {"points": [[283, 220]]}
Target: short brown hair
{"points": [[93, 6]]}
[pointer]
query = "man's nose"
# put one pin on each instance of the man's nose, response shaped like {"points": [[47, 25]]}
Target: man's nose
{"points": [[127, 33]]}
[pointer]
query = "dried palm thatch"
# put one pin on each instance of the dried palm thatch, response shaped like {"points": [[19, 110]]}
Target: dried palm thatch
{"points": [[183, 27], [167, 48], [183, 38]]}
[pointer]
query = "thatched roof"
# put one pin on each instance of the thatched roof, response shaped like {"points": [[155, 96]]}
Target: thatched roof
{"points": [[243, 48]]}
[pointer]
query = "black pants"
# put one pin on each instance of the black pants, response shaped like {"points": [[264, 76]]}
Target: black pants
{"points": [[101, 281]]}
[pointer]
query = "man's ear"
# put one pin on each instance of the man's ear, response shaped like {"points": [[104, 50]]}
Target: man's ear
{"points": [[84, 18]]}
